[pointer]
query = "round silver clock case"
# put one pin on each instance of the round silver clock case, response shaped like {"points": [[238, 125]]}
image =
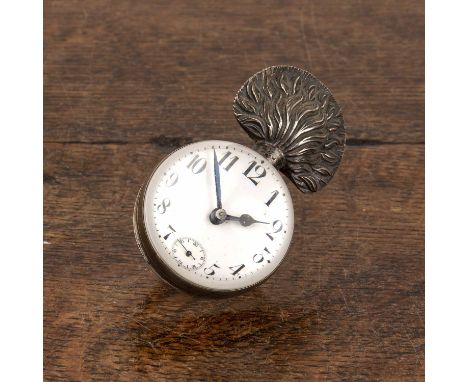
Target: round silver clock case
{"points": [[298, 129]]}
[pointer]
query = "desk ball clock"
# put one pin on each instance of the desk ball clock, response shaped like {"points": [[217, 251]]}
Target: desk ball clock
{"points": [[216, 217]]}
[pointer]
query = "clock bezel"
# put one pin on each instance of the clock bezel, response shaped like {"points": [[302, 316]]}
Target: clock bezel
{"points": [[154, 259]]}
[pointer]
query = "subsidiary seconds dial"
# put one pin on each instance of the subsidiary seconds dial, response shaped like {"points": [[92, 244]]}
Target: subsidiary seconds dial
{"points": [[217, 218], [188, 253]]}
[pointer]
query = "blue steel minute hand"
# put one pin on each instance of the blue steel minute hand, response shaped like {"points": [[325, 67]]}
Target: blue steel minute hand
{"points": [[217, 181]]}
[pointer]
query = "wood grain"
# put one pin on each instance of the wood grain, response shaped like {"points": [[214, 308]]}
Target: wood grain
{"points": [[125, 83]]}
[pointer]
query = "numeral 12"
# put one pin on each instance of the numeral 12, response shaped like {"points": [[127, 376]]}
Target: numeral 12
{"points": [[259, 170]]}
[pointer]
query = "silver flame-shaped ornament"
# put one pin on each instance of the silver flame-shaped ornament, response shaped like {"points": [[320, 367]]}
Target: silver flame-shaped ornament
{"points": [[295, 122]]}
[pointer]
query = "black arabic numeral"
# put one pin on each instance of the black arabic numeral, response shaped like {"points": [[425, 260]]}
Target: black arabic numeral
{"points": [[258, 257], [173, 178], [273, 197], [210, 270], [161, 208], [197, 164], [259, 170], [236, 269], [231, 163], [277, 226], [170, 233]]}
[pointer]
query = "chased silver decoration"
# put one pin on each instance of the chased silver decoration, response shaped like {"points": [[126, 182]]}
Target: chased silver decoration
{"points": [[295, 122]]}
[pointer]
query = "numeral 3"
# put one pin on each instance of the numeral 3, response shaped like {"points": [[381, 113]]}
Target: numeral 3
{"points": [[277, 226]]}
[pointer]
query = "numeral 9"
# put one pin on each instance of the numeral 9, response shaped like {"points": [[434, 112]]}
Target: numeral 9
{"points": [[173, 178]]}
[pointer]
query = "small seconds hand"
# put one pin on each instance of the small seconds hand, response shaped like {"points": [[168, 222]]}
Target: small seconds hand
{"points": [[187, 252]]}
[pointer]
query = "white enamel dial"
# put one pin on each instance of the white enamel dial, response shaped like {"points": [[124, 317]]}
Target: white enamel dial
{"points": [[242, 250]]}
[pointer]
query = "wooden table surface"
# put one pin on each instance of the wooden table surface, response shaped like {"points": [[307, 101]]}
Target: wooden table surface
{"points": [[127, 82]]}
